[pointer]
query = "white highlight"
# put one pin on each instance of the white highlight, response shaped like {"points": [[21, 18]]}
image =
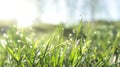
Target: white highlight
{"points": [[53, 15], [21, 10], [25, 12]]}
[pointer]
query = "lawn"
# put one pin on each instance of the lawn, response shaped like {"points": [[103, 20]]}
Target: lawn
{"points": [[82, 45]]}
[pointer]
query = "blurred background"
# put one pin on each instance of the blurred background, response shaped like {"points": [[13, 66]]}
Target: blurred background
{"points": [[27, 12]]}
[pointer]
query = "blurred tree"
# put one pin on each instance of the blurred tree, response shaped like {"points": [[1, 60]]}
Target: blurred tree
{"points": [[94, 6], [71, 8], [118, 7], [96, 9], [41, 4]]}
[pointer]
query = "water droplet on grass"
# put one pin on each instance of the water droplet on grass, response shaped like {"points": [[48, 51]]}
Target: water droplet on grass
{"points": [[70, 34], [5, 35], [39, 53], [3, 43], [19, 41], [30, 46]]}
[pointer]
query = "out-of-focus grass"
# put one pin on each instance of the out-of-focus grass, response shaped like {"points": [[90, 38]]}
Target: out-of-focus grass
{"points": [[83, 45]]}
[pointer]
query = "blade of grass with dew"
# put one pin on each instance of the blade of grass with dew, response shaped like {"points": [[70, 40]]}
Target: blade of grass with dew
{"points": [[12, 54], [78, 29]]}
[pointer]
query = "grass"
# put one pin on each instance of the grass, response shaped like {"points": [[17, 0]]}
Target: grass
{"points": [[86, 46]]}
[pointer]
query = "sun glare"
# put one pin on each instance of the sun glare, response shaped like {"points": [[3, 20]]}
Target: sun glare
{"points": [[25, 12], [22, 11]]}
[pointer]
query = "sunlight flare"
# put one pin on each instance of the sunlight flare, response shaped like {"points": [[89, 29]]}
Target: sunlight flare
{"points": [[24, 14]]}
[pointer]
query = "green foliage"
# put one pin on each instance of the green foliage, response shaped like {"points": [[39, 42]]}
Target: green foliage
{"points": [[91, 46]]}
